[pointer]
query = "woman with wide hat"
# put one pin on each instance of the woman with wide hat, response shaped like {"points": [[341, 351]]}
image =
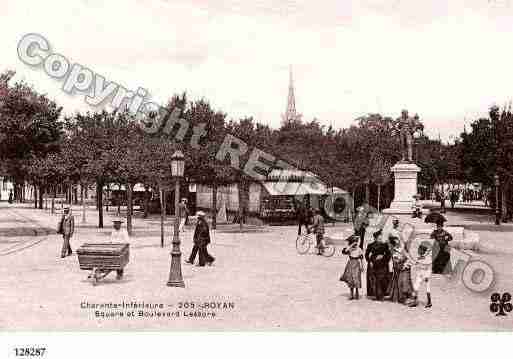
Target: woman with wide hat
{"points": [[353, 272], [441, 249]]}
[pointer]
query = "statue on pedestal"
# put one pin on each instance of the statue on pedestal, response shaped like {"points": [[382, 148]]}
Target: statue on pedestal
{"points": [[407, 126]]}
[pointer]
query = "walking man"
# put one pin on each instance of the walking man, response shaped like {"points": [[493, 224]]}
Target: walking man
{"points": [[66, 228], [201, 241]]}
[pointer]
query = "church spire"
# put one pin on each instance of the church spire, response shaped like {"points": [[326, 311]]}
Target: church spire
{"points": [[290, 114]]}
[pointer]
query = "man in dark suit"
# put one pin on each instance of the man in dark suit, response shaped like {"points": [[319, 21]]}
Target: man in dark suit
{"points": [[302, 217], [66, 228], [201, 241]]}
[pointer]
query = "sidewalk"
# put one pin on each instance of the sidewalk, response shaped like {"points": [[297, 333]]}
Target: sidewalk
{"points": [[260, 277]]}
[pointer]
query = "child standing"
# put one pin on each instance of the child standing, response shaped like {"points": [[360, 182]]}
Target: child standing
{"points": [[423, 271], [353, 271]]}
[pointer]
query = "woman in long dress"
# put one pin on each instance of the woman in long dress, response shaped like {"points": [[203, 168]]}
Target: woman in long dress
{"points": [[442, 256], [371, 278], [353, 271], [400, 288], [379, 258]]}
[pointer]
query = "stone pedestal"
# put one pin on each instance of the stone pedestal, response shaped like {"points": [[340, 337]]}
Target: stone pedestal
{"points": [[405, 187]]}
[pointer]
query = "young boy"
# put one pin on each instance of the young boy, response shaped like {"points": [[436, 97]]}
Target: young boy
{"points": [[423, 266]]}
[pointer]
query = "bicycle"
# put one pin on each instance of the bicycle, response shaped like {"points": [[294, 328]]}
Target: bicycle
{"points": [[304, 242]]}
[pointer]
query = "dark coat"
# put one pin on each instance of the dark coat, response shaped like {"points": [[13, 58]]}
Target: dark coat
{"points": [[378, 265], [201, 233]]}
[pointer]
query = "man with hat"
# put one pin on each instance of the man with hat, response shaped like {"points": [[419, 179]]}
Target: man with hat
{"points": [[201, 241], [66, 228], [119, 234]]}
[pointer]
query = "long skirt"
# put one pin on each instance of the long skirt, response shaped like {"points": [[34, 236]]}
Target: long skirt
{"points": [[381, 280], [353, 273], [442, 263], [400, 287], [370, 282]]}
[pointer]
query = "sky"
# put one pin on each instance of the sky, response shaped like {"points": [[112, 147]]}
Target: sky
{"points": [[448, 61]]}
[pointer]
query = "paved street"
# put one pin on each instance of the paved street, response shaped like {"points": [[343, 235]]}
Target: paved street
{"points": [[258, 274]]}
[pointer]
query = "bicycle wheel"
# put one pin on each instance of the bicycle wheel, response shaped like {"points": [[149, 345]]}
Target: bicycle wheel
{"points": [[302, 244], [329, 250]]}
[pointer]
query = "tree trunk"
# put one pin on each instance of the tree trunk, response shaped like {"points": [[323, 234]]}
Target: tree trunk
{"points": [[379, 196], [99, 189], [129, 189], [108, 198], [214, 205], [82, 199], [75, 194], [97, 199], [146, 201], [41, 190], [504, 202], [162, 215], [54, 194], [241, 203], [35, 196], [367, 192]]}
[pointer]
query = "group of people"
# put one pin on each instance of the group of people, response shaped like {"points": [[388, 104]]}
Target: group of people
{"points": [[409, 271], [201, 237]]}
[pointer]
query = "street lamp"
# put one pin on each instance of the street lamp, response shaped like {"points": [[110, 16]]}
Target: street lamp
{"points": [[497, 211], [175, 272]]}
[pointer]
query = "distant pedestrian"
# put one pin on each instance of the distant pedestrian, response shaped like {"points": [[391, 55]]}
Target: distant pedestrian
{"points": [[302, 217], [361, 222], [66, 228], [10, 200], [318, 228], [442, 202], [201, 240], [353, 272], [183, 212]]}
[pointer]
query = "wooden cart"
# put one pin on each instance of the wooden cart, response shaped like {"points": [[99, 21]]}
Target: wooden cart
{"points": [[103, 258]]}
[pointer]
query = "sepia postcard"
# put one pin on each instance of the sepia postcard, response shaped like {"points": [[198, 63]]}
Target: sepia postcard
{"points": [[225, 165]]}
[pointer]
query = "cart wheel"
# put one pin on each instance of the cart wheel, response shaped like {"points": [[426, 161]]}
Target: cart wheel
{"points": [[302, 244], [119, 274], [329, 250]]}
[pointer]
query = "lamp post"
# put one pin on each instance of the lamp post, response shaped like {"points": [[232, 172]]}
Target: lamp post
{"points": [[175, 272], [497, 210]]}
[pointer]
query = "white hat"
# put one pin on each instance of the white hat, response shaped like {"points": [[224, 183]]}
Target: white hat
{"points": [[200, 214]]}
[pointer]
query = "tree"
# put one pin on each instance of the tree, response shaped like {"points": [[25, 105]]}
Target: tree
{"points": [[29, 127]]}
